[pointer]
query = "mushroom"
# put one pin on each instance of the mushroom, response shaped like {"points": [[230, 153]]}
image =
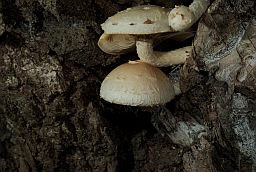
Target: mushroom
{"points": [[116, 43], [133, 21], [137, 83], [146, 22], [182, 17], [161, 59]]}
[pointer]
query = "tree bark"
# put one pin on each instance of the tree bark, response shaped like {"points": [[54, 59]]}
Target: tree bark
{"points": [[53, 119]]}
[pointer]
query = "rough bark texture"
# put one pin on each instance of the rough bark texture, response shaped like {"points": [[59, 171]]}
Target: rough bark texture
{"points": [[52, 118]]}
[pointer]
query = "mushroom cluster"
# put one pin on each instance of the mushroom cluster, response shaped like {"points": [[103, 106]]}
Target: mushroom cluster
{"points": [[141, 83]]}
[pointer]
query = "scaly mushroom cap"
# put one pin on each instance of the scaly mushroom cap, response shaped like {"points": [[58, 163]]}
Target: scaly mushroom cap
{"points": [[137, 83], [116, 43], [144, 19], [181, 18]]}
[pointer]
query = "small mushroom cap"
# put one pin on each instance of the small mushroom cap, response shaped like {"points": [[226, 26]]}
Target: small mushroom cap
{"points": [[137, 83], [144, 19], [116, 43], [181, 18]]}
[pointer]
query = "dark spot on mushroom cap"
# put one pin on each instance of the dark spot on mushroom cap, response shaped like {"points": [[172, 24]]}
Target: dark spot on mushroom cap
{"points": [[148, 21]]}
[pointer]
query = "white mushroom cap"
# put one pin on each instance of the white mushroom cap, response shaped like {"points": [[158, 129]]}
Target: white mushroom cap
{"points": [[181, 18], [144, 19], [116, 43], [137, 83]]}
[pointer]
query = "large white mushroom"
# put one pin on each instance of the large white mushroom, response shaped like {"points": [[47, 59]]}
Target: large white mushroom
{"points": [[145, 21], [137, 83], [182, 17]]}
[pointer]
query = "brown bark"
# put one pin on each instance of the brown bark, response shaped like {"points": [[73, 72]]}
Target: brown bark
{"points": [[52, 118]]}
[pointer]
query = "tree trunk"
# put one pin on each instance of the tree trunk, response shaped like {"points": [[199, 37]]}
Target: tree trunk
{"points": [[53, 119]]}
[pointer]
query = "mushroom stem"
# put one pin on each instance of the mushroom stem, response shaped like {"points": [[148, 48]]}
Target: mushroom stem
{"points": [[199, 7], [161, 59], [177, 89]]}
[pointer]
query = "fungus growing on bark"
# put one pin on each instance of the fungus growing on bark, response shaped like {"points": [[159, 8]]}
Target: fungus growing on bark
{"points": [[182, 17], [137, 83], [146, 22]]}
